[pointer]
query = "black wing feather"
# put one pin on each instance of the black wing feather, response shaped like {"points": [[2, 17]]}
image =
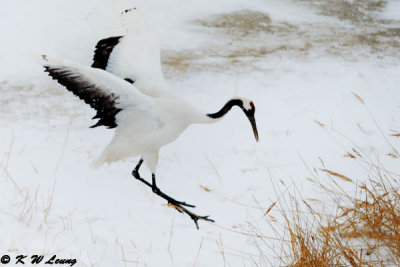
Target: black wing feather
{"points": [[103, 103], [103, 50]]}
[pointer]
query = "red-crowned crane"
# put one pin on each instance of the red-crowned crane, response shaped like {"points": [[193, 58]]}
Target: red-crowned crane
{"points": [[126, 88]]}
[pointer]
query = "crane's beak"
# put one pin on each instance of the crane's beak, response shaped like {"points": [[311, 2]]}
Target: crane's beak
{"points": [[254, 125]]}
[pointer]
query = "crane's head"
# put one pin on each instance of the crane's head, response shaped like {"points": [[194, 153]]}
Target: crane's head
{"points": [[249, 109], [245, 104]]}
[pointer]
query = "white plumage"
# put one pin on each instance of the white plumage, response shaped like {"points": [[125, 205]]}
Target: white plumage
{"points": [[144, 124], [136, 55], [145, 119]]}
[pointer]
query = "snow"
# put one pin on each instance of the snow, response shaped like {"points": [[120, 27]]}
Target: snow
{"points": [[391, 10], [54, 203]]}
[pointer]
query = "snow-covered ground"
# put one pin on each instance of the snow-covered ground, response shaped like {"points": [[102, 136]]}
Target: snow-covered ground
{"points": [[300, 61]]}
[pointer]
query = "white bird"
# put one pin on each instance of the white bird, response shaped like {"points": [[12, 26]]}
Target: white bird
{"points": [[143, 123], [126, 87], [133, 56]]}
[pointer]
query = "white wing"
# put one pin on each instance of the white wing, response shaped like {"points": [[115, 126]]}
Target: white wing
{"points": [[134, 56], [103, 91]]}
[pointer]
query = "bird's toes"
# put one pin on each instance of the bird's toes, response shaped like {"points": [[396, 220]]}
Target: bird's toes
{"points": [[196, 218], [206, 218], [186, 204], [180, 203]]}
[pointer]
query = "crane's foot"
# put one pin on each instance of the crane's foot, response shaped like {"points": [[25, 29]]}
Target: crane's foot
{"points": [[192, 215], [170, 200], [158, 192], [178, 205]]}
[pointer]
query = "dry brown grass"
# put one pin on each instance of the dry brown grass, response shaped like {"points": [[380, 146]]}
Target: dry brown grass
{"points": [[238, 39], [353, 11], [356, 224], [358, 230]]}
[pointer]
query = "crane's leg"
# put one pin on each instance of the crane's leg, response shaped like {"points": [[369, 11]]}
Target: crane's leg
{"points": [[178, 205], [155, 189], [170, 200]]}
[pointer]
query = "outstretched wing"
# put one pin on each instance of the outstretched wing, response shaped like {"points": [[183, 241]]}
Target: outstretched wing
{"points": [[103, 50], [135, 56], [103, 91]]}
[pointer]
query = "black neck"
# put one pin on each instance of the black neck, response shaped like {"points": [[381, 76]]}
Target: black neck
{"points": [[226, 108]]}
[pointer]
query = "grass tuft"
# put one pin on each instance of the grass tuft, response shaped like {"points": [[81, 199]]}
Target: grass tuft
{"points": [[358, 225], [363, 231]]}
